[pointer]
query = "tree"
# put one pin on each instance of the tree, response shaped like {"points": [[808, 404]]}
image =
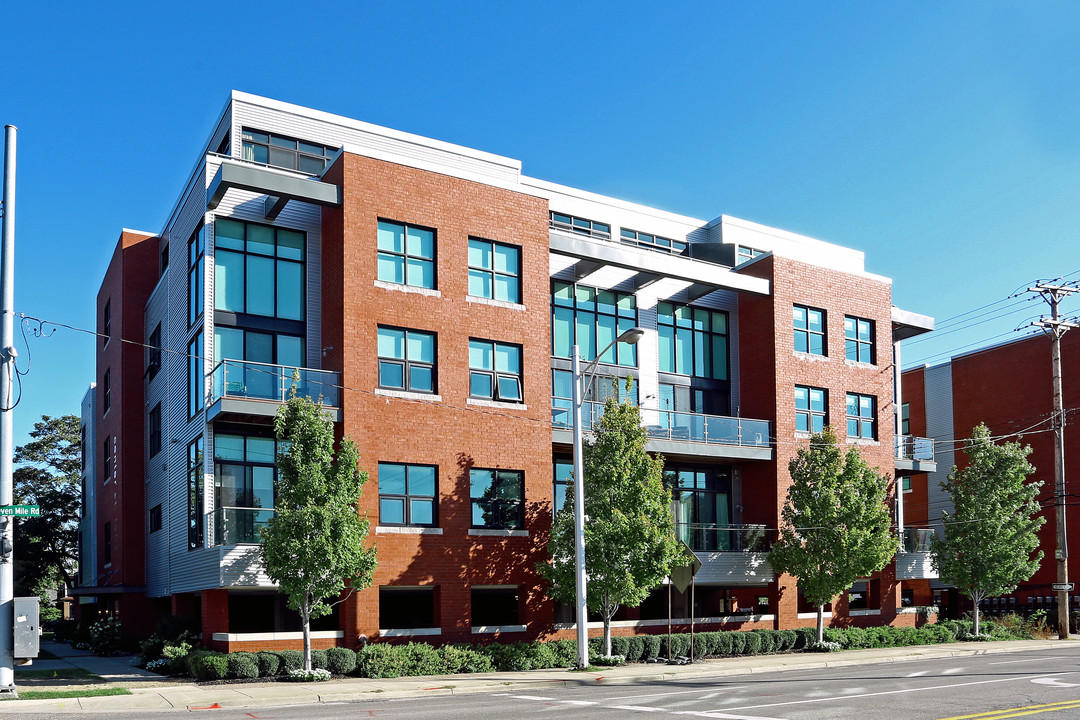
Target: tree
{"points": [[314, 543], [990, 544], [46, 547], [630, 543], [835, 526]]}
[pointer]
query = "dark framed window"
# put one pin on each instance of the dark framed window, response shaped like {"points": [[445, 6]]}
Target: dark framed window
{"points": [[593, 319], [196, 376], [155, 518], [406, 360], [494, 270], [653, 242], [196, 250], [563, 469], [245, 468], [164, 264], [905, 419], [744, 253], [404, 608], [406, 254], [407, 494], [811, 408], [579, 225], [106, 391], [859, 343], [195, 492], [107, 538], [702, 502], [495, 371], [692, 340], [153, 353], [809, 330], [861, 416], [153, 430], [284, 152], [106, 323], [494, 606], [498, 498], [258, 269], [107, 457]]}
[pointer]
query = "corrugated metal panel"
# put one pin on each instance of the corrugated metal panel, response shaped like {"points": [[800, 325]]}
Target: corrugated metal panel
{"points": [[914, 566], [241, 567], [939, 426], [734, 568]]}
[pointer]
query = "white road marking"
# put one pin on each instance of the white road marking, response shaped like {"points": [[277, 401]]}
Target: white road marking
{"points": [[952, 671], [916, 674], [1055, 683], [679, 692], [530, 697], [725, 716], [577, 702], [1010, 662], [639, 708]]}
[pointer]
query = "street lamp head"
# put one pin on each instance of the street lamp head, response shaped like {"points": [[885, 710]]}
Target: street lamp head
{"points": [[631, 336]]}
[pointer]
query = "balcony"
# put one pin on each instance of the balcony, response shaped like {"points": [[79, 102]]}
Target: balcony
{"points": [[678, 433], [913, 560], [914, 455], [730, 554], [237, 525], [242, 388]]}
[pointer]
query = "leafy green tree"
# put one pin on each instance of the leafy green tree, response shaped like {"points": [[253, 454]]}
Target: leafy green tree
{"points": [[315, 541], [46, 547], [835, 523], [991, 538], [630, 543]]}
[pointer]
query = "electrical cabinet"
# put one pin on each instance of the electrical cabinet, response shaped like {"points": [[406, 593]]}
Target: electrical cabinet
{"points": [[26, 627]]}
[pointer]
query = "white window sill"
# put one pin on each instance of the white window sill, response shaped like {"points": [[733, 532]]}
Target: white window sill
{"points": [[865, 442], [499, 404], [490, 629], [495, 303], [717, 620], [856, 364], [809, 356], [812, 615], [398, 287], [406, 530], [271, 636], [406, 395], [863, 613], [913, 610], [480, 532], [410, 632]]}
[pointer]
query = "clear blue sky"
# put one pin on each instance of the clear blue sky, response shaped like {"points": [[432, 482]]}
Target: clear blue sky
{"points": [[940, 138]]}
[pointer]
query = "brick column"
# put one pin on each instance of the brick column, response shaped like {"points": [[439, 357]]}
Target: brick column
{"points": [[215, 615]]}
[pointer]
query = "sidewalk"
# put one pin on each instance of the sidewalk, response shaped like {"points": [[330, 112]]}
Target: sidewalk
{"points": [[150, 691]]}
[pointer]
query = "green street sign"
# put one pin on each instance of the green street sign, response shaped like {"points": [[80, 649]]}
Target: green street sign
{"points": [[20, 510]]}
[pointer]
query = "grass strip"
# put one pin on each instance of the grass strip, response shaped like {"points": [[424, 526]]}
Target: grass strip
{"points": [[63, 694]]}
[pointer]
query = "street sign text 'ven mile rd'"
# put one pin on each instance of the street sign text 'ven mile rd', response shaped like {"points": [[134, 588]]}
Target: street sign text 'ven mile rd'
{"points": [[20, 510]]}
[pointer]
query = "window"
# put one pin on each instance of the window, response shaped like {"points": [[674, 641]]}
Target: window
{"points": [[258, 270], [905, 419], [864, 595], [693, 341], [859, 339], [407, 494], [811, 409], [495, 371], [153, 353], [564, 478], [580, 226], [195, 490], [905, 484], [153, 430], [285, 152], [494, 606], [196, 248], [861, 416], [155, 518], [653, 242], [700, 498], [247, 353], [244, 471], [406, 255], [196, 380], [404, 608], [106, 391], [809, 330], [494, 270], [602, 387], [164, 260], [497, 498], [106, 323], [743, 253], [593, 319], [107, 535], [406, 360], [107, 455]]}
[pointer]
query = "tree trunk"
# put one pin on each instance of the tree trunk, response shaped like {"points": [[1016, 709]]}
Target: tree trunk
{"points": [[821, 623], [976, 627], [607, 634], [305, 618]]}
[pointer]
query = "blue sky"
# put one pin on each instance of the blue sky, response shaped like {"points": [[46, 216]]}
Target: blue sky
{"points": [[939, 138]]}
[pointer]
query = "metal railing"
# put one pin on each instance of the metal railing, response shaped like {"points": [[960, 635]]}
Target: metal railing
{"points": [[237, 525], [707, 537], [909, 447], [670, 425], [260, 381], [917, 540]]}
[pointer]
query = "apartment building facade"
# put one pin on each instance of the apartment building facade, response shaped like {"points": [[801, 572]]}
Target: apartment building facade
{"points": [[431, 294]]}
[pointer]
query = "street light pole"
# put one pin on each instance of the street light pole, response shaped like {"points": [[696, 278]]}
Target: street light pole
{"points": [[580, 390]]}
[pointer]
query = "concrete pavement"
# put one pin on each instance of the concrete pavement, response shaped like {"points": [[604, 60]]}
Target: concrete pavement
{"points": [[150, 691]]}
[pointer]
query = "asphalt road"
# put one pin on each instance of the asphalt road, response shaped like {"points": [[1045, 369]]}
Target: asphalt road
{"points": [[989, 687]]}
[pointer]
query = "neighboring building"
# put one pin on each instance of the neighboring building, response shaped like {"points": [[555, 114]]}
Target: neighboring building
{"points": [[88, 511], [1010, 388], [431, 293]]}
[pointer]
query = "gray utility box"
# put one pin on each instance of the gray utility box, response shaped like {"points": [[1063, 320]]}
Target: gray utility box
{"points": [[27, 630]]}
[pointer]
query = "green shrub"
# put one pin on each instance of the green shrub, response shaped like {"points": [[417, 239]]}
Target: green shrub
{"points": [[679, 645], [340, 661], [788, 638], [106, 637], [269, 663], [518, 656], [241, 665], [752, 644], [291, 660], [209, 666], [652, 647], [318, 660], [635, 649], [738, 643], [619, 645], [565, 652], [700, 645], [806, 635], [380, 661], [464, 659]]}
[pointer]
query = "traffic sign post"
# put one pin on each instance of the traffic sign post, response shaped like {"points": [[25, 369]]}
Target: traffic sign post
{"points": [[20, 511]]}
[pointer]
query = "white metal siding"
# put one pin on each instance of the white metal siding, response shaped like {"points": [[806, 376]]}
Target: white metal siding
{"points": [[158, 489]]}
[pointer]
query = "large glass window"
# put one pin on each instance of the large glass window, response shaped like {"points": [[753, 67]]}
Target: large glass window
{"points": [[196, 378], [406, 360], [267, 349], [593, 319], [579, 225], [196, 248], [195, 493], [258, 270], [811, 408], [494, 270], [495, 371], [498, 498], [861, 416], [244, 471], [809, 330], [407, 494], [701, 498], [494, 606], [285, 152], [692, 341], [859, 339], [402, 608], [406, 254], [564, 478]]}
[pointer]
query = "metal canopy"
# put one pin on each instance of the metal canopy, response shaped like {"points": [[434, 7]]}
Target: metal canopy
{"points": [[278, 186]]}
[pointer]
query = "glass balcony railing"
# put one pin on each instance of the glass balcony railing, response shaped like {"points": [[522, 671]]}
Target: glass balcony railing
{"points": [[669, 425], [237, 525], [725, 538], [917, 540], [260, 381], [909, 447]]}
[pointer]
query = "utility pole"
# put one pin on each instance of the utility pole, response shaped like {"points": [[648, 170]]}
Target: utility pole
{"points": [[1057, 327], [7, 377]]}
